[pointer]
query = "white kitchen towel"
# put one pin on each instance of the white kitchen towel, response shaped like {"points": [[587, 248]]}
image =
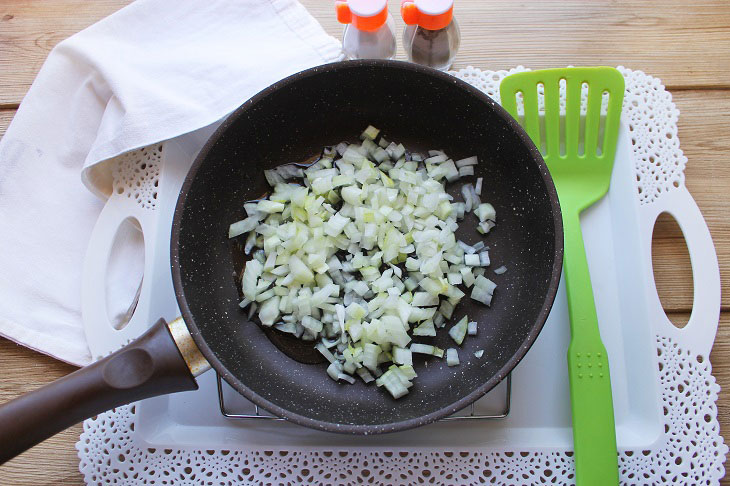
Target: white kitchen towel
{"points": [[152, 71]]}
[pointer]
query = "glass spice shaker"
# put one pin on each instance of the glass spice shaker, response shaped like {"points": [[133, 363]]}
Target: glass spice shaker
{"points": [[369, 29], [431, 36]]}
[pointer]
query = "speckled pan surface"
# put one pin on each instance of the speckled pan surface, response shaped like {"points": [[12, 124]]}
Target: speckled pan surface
{"points": [[291, 121]]}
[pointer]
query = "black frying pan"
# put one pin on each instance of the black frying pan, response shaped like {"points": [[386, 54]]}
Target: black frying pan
{"points": [[290, 122]]}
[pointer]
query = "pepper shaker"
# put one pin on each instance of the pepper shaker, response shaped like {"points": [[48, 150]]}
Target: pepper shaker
{"points": [[431, 36], [369, 29]]}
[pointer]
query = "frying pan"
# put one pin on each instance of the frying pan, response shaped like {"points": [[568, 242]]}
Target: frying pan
{"points": [[292, 121]]}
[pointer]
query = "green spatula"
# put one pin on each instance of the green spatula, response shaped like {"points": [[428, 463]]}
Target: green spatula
{"points": [[579, 154]]}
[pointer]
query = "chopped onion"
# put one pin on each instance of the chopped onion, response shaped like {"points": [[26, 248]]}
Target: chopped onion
{"points": [[365, 375], [473, 260], [468, 199], [479, 353], [467, 161], [500, 270], [452, 357], [370, 133], [486, 212], [427, 349], [425, 329], [484, 259], [458, 331], [357, 253], [478, 186], [471, 328], [466, 171]]}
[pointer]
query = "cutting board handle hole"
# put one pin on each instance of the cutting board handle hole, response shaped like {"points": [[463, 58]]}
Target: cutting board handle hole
{"points": [[672, 269], [124, 273]]}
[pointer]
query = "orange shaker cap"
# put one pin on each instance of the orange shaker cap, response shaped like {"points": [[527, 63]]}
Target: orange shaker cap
{"points": [[429, 14], [367, 15]]}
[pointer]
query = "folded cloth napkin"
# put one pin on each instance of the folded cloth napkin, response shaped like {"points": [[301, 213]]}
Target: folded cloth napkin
{"points": [[152, 71]]}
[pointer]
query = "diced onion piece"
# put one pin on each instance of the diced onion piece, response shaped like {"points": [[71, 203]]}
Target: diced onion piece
{"points": [[485, 226], [370, 133], [346, 377], [402, 356], [421, 299], [269, 312], [299, 271], [479, 353], [467, 161], [458, 331], [466, 171], [365, 375], [486, 211], [266, 206], [452, 357], [427, 349], [466, 191], [446, 309], [472, 260], [481, 295], [471, 328], [484, 259], [326, 352], [500, 270], [478, 186], [467, 276], [437, 159], [393, 384], [485, 283], [243, 226], [425, 329]]}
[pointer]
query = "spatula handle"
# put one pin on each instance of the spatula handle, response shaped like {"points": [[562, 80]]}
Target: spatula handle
{"points": [[594, 430]]}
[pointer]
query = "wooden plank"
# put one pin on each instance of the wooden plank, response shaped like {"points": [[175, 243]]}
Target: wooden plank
{"points": [[30, 29], [684, 43], [703, 126], [5, 117], [53, 461]]}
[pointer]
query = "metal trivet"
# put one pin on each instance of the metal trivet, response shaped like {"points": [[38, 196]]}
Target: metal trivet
{"points": [[263, 415]]}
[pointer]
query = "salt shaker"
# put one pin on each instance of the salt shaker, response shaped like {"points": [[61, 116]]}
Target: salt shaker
{"points": [[431, 36], [369, 29]]}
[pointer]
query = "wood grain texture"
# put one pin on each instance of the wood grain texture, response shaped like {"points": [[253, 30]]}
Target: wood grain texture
{"points": [[29, 29], [53, 461], [686, 44], [5, 117]]}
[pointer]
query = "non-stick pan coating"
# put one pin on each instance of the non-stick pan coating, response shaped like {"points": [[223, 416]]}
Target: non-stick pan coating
{"points": [[290, 122]]}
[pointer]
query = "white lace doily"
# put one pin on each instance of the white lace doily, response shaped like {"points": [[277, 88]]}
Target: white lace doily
{"points": [[692, 451]]}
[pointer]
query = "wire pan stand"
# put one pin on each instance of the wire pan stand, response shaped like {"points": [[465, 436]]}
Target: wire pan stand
{"points": [[262, 415]]}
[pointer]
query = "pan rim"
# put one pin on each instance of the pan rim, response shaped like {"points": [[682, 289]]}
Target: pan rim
{"points": [[368, 429]]}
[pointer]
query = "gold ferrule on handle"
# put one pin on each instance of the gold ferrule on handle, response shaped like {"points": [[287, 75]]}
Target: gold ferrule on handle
{"points": [[197, 364]]}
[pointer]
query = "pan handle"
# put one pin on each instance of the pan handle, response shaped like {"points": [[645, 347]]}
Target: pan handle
{"points": [[151, 365]]}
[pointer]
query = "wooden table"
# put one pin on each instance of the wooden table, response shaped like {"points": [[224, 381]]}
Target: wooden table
{"points": [[686, 44]]}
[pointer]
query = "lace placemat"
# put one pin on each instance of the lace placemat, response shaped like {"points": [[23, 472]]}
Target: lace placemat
{"points": [[691, 452]]}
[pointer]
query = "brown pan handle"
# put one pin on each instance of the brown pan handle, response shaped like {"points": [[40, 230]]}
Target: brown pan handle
{"points": [[149, 366]]}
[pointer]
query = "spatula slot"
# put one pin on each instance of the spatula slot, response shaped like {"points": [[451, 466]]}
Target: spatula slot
{"points": [[563, 95], [605, 98], [584, 93], [543, 145], [520, 100]]}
